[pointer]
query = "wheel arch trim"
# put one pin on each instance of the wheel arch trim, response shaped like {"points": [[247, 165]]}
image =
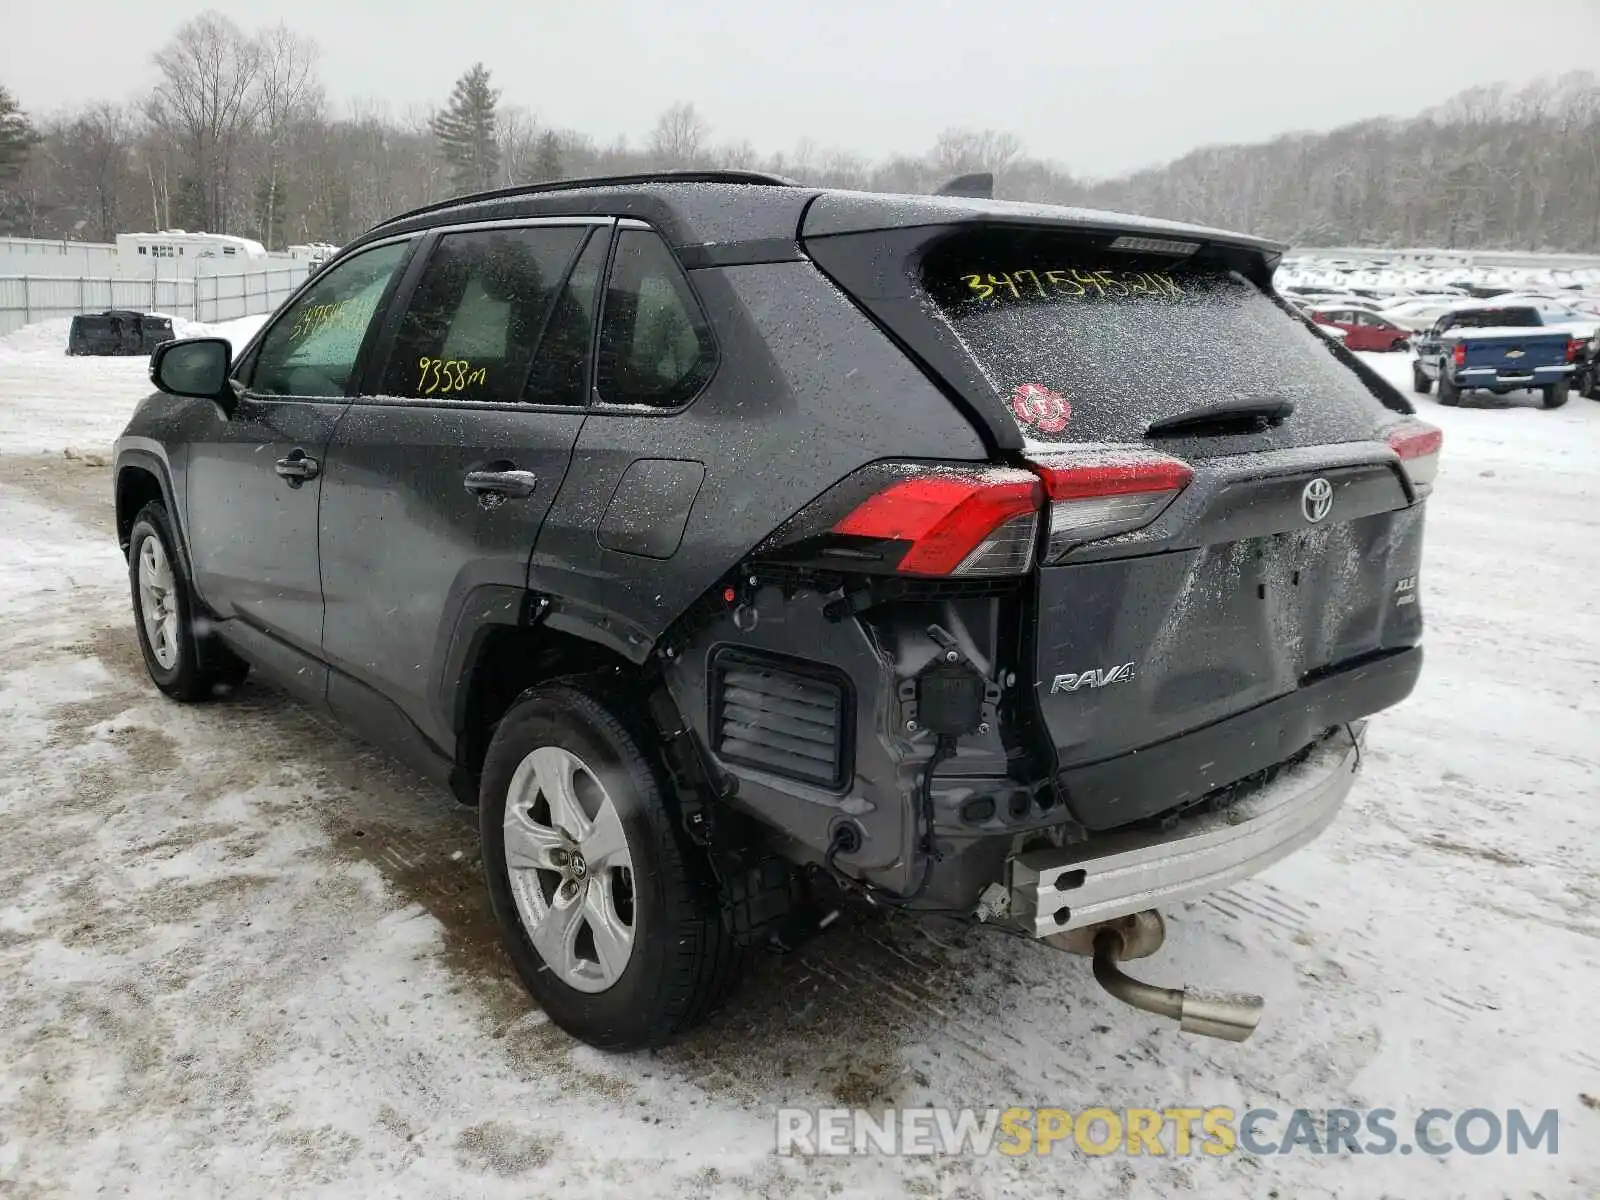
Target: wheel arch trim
{"points": [[149, 456]]}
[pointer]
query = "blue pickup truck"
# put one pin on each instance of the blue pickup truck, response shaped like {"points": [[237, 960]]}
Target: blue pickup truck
{"points": [[1496, 347]]}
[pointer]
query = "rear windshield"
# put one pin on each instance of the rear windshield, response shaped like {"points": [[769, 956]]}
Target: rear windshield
{"points": [[1088, 345], [1491, 318]]}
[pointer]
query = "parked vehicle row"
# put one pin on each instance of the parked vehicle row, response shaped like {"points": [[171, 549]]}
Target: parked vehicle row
{"points": [[1364, 329], [1463, 345]]}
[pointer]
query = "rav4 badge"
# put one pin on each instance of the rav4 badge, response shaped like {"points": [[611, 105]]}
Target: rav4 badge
{"points": [[1092, 679]]}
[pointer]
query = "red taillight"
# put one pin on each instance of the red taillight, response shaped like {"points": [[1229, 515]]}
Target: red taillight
{"points": [[959, 522], [1418, 445], [1574, 350], [1095, 495], [1460, 354]]}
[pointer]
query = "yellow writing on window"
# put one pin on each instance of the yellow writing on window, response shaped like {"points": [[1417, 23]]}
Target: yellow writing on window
{"points": [[348, 316], [442, 376], [1072, 282]]}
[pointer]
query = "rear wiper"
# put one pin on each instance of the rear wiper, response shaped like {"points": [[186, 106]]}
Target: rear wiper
{"points": [[1220, 420]]}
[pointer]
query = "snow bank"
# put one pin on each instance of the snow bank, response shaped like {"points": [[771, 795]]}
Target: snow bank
{"points": [[48, 338], [50, 401]]}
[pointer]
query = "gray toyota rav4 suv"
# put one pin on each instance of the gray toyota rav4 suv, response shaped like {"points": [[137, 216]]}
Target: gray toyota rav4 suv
{"points": [[744, 550]]}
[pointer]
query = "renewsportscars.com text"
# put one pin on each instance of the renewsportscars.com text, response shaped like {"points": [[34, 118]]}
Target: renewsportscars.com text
{"points": [[1177, 1132]]}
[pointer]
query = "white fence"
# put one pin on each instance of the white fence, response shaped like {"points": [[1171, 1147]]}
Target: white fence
{"points": [[25, 299]]}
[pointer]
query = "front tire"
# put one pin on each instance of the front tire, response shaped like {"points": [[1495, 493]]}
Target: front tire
{"points": [[1420, 383], [181, 663], [1557, 394], [610, 916]]}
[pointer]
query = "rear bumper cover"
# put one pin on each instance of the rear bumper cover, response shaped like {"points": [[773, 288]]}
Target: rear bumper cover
{"points": [[1056, 890], [1488, 377]]}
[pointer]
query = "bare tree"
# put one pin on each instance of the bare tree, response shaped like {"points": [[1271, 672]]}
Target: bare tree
{"points": [[518, 135], [680, 137], [288, 91], [241, 137], [94, 153], [958, 151], [208, 99]]}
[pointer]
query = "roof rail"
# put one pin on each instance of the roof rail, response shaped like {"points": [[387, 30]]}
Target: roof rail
{"points": [[564, 185]]}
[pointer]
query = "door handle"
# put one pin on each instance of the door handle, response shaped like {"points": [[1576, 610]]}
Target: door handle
{"points": [[297, 467], [495, 486]]}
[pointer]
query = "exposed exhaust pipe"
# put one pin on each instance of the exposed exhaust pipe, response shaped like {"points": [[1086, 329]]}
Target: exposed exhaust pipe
{"points": [[1231, 1016]]}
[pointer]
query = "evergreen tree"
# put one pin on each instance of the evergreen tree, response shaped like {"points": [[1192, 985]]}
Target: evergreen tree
{"points": [[17, 137], [188, 204], [547, 158], [465, 129]]}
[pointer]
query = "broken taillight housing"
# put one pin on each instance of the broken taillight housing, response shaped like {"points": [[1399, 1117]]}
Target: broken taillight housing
{"points": [[960, 522], [1418, 445], [1098, 494]]}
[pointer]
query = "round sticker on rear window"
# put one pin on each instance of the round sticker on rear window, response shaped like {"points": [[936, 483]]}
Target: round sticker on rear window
{"points": [[1037, 407]]}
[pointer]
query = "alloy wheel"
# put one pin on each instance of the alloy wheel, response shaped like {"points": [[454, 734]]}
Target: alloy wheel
{"points": [[570, 871], [158, 602]]}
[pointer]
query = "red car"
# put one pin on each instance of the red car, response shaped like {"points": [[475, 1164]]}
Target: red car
{"points": [[1363, 328]]}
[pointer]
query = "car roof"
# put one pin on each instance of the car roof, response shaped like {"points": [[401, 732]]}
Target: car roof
{"points": [[689, 209], [704, 215], [1494, 302], [1340, 306]]}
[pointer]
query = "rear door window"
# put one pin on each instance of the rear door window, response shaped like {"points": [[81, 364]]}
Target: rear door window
{"points": [[479, 312], [1087, 345], [561, 367]]}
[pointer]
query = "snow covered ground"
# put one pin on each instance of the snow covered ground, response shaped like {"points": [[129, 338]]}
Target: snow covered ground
{"points": [[242, 955]]}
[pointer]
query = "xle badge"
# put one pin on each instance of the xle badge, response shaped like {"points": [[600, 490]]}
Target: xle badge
{"points": [[1092, 679]]}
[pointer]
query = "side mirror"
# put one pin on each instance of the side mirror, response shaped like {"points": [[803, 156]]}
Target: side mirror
{"points": [[195, 367]]}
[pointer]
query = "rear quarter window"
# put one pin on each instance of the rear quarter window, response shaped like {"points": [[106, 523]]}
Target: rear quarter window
{"points": [[1087, 345]]}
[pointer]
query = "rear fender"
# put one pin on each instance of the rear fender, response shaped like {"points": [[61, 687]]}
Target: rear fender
{"points": [[813, 629], [806, 392]]}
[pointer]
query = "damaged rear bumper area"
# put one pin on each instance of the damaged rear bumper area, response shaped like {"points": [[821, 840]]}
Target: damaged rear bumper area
{"points": [[1054, 891]]}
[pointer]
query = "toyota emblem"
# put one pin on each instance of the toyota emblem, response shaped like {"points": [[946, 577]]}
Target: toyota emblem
{"points": [[1317, 500]]}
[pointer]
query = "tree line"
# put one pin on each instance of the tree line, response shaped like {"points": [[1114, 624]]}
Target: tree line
{"points": [[238, 136]]}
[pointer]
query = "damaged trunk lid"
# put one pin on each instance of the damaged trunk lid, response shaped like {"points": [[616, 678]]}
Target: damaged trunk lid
{"points": [[1234, 536]]}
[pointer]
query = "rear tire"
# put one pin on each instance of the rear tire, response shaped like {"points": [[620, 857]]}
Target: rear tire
{"points": [[182, 663], [1420, 383], [1449, 391], [610, 915], [1557, 394]]}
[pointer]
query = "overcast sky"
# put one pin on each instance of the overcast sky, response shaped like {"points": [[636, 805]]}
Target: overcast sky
{"points": [[1102, 86]]}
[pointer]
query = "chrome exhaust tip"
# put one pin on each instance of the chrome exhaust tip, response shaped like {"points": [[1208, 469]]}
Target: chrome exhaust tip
{"points": [[1231, 1016]]}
